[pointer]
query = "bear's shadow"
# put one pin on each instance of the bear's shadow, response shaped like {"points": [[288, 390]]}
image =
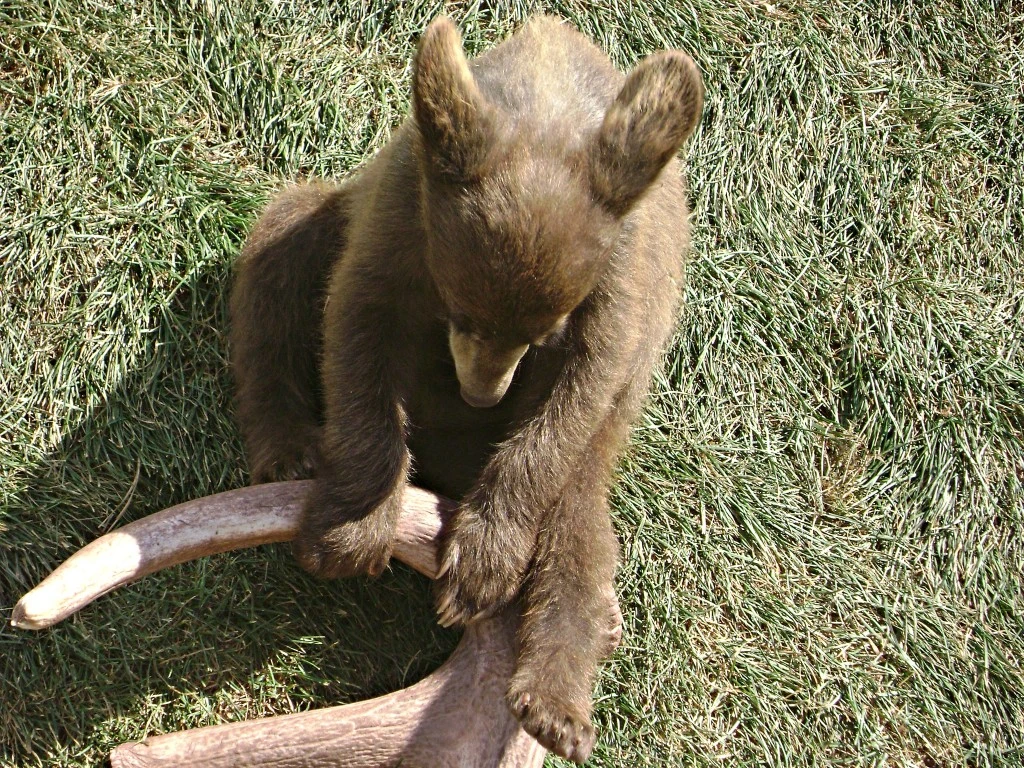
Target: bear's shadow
{"points": [[230, 637]]}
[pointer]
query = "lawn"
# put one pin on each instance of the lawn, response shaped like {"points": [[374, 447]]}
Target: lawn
{"points": [[822, 512]]}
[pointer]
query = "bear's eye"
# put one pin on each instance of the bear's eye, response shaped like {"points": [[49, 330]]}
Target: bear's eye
{"points": [[552, 337], [460, 324]]}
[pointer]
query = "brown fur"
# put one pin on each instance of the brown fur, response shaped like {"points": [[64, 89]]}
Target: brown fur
{"points": [[533, 184]]}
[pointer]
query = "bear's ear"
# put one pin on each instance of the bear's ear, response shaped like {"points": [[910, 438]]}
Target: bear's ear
{"points": [[455, 121], [655, 112]]}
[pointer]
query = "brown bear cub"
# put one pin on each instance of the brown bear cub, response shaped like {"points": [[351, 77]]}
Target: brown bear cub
{"points": [[478, 311]]}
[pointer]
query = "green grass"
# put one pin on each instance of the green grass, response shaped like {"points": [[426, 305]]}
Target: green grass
{"points": [[822, 515]]}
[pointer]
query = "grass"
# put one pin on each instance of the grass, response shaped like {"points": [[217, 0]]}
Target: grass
{"points": [[822, 514]]}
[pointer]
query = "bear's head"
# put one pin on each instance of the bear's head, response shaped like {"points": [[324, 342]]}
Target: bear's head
{"points": [[522, 215]]}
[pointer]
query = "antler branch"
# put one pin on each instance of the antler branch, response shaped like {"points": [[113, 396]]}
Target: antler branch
{"points": [[456, 716]]}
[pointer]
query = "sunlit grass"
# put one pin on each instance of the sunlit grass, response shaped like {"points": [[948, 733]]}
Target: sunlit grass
{"points": [[823, 510]]}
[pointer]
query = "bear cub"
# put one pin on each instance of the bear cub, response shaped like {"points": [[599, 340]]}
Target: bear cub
{"points": [[478, 311]]}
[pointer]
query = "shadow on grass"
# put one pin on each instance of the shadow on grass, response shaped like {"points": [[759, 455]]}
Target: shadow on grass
{"points": [[231, 637]]}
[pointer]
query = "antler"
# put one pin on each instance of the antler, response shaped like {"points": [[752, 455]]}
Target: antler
{"points": [[455, 717], [247, 517]]}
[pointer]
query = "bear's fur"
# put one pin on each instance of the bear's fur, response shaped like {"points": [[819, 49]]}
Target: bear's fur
{"points": [[479, 311]]}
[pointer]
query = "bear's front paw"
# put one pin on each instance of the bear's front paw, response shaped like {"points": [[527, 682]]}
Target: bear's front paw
{"points": [[290, 456], [483, 565], [330, 547]]}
